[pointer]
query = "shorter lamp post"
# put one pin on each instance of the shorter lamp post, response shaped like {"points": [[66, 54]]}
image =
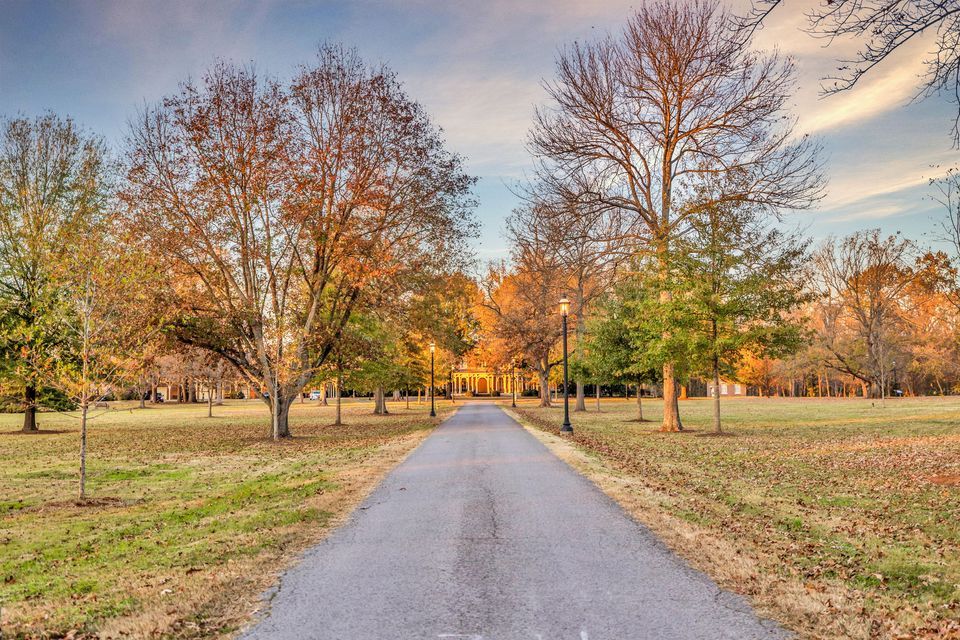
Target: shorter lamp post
{"points": [[450, 386], [433, 411], [564, 311], [513, 383]]}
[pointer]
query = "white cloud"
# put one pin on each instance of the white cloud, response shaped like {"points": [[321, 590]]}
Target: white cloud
{"points": [[881, 189], [890, 86]]}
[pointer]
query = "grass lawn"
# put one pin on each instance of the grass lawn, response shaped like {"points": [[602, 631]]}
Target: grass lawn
{"points": [[839, 518], [189, 518]]}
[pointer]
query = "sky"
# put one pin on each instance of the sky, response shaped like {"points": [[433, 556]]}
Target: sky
{"points": [[478, 67]]}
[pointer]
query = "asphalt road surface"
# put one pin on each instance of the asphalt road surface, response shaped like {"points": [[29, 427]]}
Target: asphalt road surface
{"points": [[482, 533]]}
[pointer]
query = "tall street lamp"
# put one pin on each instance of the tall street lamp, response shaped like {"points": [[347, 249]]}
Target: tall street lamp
{"points": [[513, 383], [564, 311], [433, 411]]}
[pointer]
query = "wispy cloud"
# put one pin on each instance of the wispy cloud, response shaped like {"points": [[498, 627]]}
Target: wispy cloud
{"points": [[855, 190], [889, 87]]}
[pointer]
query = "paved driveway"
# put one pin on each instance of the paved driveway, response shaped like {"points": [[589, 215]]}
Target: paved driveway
{"points": [[482, 533]]}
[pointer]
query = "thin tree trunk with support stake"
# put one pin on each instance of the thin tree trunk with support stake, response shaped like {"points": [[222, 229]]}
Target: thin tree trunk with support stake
{"points": [[337, 420], [716, 394], [639, 402]]}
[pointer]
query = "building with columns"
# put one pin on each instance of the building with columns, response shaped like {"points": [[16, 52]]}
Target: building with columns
{"points": [[483, 382], [475, 378]]}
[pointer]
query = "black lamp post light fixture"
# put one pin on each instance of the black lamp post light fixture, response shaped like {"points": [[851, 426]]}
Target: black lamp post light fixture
{"points": [[433, 411], [564, 311]]}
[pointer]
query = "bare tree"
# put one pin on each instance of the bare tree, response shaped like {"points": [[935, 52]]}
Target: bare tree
{"points": [[862, 280], [948, 195], [589, 246], [107, 318], [523, 300], [638, 122], [881, 27], [285, 210]]}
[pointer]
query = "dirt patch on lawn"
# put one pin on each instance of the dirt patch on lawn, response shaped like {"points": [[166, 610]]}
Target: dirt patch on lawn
{"points": [[38, 432], [949, 480], [85, 503]]}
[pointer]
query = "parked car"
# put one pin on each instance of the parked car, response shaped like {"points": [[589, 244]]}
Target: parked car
{"points": [[315, 394]]}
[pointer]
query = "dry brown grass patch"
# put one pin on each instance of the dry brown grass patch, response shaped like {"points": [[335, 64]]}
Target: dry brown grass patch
{"points": [[712, 503]]}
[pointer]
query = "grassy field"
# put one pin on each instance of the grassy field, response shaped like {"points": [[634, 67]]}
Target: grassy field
{"points": [[839, 518], [189, 519]]}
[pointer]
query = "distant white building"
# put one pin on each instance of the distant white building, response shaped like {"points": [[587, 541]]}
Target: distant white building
{"points": [[728, 389]]}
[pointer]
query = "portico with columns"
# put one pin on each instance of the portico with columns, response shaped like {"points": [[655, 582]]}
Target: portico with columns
{"points": [[482, 381]]}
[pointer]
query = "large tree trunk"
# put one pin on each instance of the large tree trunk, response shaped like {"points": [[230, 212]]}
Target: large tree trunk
{"points": [[209, 401], [380, 402], [544, 388], [581, 398], [141, 389], [280, 415], [30, 409], [671, 408]]}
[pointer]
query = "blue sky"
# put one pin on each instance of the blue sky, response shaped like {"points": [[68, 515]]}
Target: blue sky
{"points": [[477, 67]]}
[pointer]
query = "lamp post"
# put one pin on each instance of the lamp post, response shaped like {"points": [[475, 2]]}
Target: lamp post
{"points": [[513, 383], [433, 411], [564, 310]]}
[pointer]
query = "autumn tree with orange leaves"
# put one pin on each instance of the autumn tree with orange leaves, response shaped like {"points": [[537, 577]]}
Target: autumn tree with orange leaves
{"points": [[520, 302], [281, 210]]}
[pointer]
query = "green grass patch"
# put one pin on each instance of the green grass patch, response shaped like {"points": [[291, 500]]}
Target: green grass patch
{"points": [[176, 499]]}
